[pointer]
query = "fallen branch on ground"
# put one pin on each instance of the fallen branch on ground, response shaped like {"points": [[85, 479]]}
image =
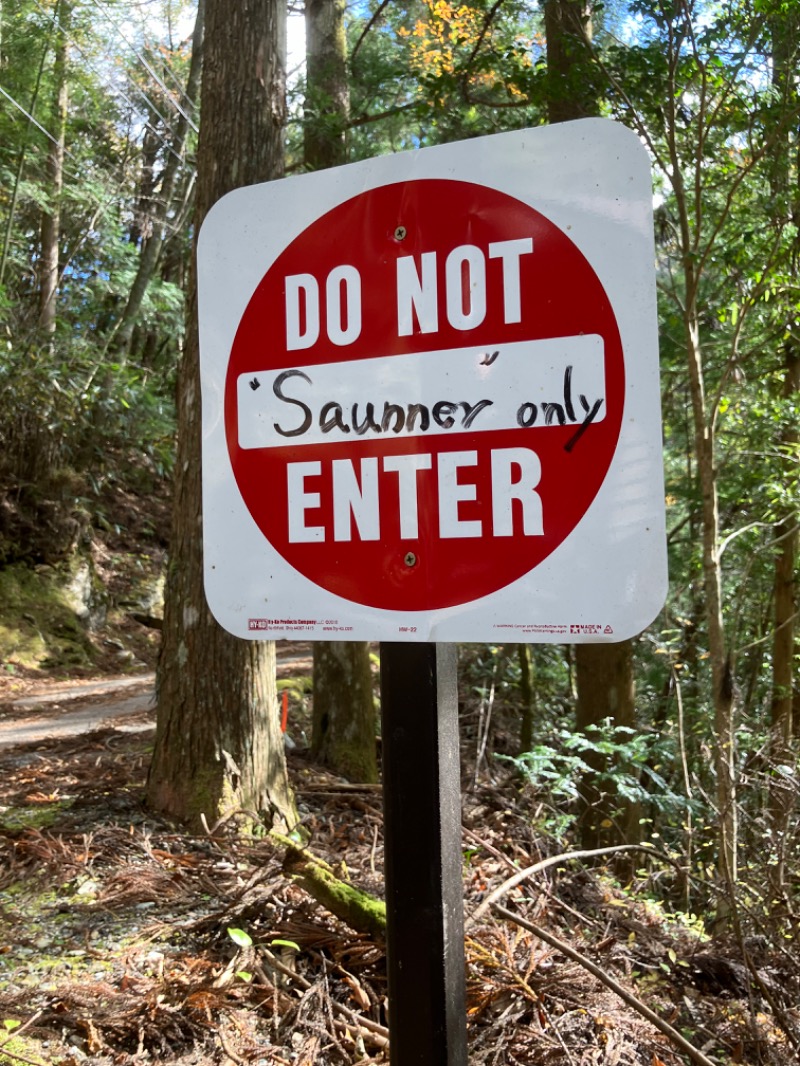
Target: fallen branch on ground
{"points": [[554, 860], [627, 997], [361, 911], [371, 1032]]}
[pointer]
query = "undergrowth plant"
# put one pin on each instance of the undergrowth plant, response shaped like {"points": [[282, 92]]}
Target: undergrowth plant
{"points": [[624, 761]]}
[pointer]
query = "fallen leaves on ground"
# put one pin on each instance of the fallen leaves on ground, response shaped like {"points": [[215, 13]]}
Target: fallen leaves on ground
{"points": [[115, 950]]}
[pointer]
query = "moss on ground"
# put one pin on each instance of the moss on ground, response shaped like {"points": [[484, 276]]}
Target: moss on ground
{"points": [[79, 617], [16, 1049], [42, 816], [52, 934], [299, 686], [38, 627]]}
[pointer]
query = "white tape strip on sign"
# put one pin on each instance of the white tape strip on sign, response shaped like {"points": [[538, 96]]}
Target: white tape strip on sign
{"points": [[425, 394]]}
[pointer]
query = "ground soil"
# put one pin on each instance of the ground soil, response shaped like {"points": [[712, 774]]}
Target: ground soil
{"points": [[125, 940]]}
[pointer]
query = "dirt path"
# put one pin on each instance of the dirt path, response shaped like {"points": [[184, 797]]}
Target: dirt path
{"points": [[127, 703]]}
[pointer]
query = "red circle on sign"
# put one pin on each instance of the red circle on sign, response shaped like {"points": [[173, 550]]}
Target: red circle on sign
{"points": [[559, 296]]}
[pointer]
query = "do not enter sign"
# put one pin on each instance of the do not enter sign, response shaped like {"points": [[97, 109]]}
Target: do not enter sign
{"points": [[421, 376], [433, 414]]}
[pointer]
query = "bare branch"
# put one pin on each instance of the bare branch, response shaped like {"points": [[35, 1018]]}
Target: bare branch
{"points": [[627, 997], [373, 20]]}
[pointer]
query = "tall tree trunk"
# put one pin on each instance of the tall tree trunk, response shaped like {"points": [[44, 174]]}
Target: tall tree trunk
{"points": [[785, 181], [343, 723], [602, 692], [162, 203], [689, 215], [51, 216], [327, 103], [218, 745]]}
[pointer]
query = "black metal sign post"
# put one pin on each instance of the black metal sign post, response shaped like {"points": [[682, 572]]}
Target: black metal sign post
{"points": [[422, 827]]}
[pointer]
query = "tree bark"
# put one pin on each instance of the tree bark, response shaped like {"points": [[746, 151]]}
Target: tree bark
{"points": [[526, 690], [51, 216], [786, 543], [327, 103], [343, 723], [602, 670], [605, 693], [218, 745], [570, 90]]}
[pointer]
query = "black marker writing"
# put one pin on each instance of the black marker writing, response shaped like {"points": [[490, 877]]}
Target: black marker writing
{"points": [[371, 418]]}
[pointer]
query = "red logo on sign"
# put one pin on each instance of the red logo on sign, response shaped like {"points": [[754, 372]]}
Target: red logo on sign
{"points": [[424, 395]]}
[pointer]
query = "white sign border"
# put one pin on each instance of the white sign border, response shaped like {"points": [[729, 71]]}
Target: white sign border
{"points": [[592, 180]]}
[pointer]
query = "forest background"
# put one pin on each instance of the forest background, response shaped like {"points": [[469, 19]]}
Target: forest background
{"points": [[685, 737]]}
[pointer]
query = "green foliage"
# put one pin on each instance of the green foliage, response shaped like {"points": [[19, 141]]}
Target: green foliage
{"points": [[284, 944], [72, 407], [432, 71], [626, 767], [71, 401]]}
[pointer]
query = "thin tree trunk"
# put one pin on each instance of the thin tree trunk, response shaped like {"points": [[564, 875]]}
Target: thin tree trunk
{"points": [[343, 723], [51, 216], [785, 585], [786, 192], [785, 183], [526, 683], [602, 670], [218, 745], [12, 208], [141, 227], [722, 683]]}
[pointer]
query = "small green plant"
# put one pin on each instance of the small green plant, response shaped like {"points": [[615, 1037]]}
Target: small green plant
{"points": [[284, 944], [240, 938]]}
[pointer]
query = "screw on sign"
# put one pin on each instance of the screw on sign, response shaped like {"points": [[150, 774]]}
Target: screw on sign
{"points": [[433, 404]]}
